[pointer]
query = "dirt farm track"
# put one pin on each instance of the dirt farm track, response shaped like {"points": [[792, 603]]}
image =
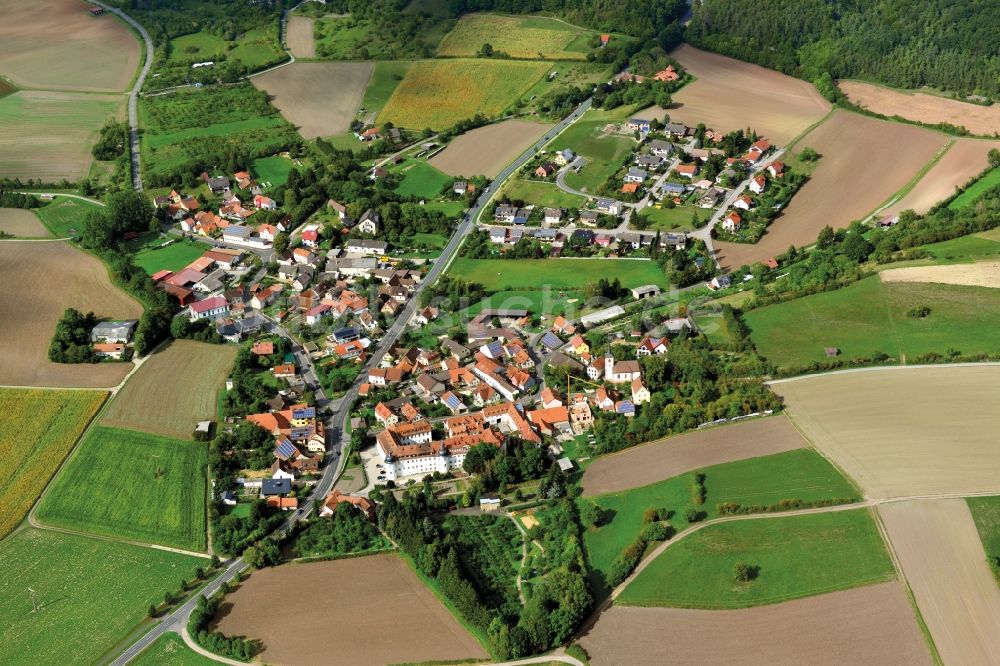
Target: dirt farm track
{"points": [[393, 618], [671, 456], [866, 625], [41, 279]]}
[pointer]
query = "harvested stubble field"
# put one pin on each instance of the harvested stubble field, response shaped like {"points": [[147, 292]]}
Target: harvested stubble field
{"points": [[439, 93], [923, 107], [39, 429], [778, 107], [92, 592], [867, 625], [796, 556], [864, 162], [47, 135], [966, 159], [671, 456], [518, 36], [42, 279], [55, 44], [981, 274], [319, 98], [300, 36], [22, 223], [487, 150], [132, 485], [904, 431], [942, 558], [173, 390], [313, 595]]}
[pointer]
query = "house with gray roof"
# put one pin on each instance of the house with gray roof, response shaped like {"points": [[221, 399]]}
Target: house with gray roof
{"points": [[113, 331]]}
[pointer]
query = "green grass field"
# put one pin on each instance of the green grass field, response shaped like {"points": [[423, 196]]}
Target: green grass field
{"points": [[170, 650], [680, 218], [604, 153], [254, 49], [870, 316], [152, 258], [797, 556], [200, 45], [39, 429], [714, 327], [273, 170], [518, 36], [966, 249], [64, 216], [449, 208], [91, 593], [542, 194], [516, 274], [385, 78], [420, 179], [986, 514], [802, 474], [132, 485], [987, 182], [439, 93]]}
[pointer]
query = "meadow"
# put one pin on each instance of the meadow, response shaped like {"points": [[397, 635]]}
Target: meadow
{"points": [[518, 36], [541, 194], [604, 153], [170, 650], [439, 93], [966, 249], [676, 218], [64, 216], [272, 170], [40, 429], [152, 257], [801, 474], [420, 179], [515, 274], [385, 78], [795, 556], [48, 134], [91, 593], [132, 485], [871, 316], [986, 514], [976, 190], [185, 377]]}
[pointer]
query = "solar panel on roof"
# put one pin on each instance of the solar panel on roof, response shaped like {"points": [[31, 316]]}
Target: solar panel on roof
{"points": [[305, 413], [495, 348], [453, 401], [550, 340], [301, 433], [285, 449]]}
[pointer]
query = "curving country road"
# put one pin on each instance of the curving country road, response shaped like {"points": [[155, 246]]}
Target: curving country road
{"points": [[133, 96], [340, 409]]}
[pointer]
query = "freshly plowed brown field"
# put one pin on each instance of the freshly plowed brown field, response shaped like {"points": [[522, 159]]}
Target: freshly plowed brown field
{"points": [[922, 107], [730, 95], [904, 431], [864, 162], [300, 613], [185, 378], [867, 625], [942, 558], [319, 98], [965, 160], [42, 279], [487, 150], [22, 223], [300, 37], [56, 44], [668, 457]]}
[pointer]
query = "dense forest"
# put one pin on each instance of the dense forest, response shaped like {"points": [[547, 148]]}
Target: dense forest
{"points": [[907, 43]]}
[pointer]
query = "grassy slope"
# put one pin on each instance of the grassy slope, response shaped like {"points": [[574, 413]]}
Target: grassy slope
{"points": [[520, 37], [64, 216], [170, 650], [385, 79], [542, 194], [40, 428], [986, 514], [420, 179], [92, 592], [506, 274], [987, 182], [797, 556], [604, 154], [132, 485], [869, 316], [801, 474]]}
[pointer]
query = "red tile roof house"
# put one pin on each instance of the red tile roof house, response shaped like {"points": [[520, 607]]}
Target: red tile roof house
{"points": [[687, 170], [210, 308], [758, 184], [310, 237], [263, 348], [732, 221], [284, 371], [336, 498], [109, 349]]}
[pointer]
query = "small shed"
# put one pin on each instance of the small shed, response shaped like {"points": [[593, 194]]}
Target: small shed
{"points": [[489, 503]]}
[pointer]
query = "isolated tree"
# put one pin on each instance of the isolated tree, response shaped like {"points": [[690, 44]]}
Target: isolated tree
{"points": [[807, 154], [826, 238]]}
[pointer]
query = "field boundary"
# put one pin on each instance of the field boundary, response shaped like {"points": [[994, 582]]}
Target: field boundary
{"points": [[919, 366], [910, 186]]}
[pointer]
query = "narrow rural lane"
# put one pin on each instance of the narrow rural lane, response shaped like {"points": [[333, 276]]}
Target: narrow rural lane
{"points": [[133, 96], [340, 409]]}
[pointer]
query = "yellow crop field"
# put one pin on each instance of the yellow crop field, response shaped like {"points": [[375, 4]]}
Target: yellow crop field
{"points": [[39, 428], [518, 36], [439, 93]]}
